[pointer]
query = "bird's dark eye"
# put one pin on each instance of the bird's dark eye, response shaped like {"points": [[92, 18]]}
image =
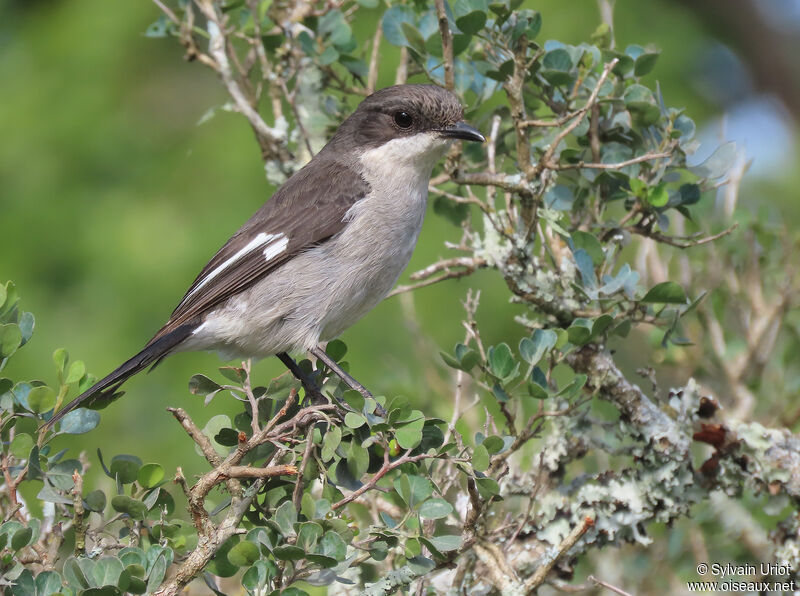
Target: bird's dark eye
{"points": [[403, 119]]}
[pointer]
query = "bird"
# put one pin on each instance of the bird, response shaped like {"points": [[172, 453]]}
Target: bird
{"points": [[324, 250]]}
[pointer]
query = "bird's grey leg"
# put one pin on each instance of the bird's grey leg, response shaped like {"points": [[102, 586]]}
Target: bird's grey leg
{"points": [[331, 364], [309, 385]]}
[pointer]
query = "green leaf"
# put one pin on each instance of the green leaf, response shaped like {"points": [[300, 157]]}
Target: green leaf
{"points": [[493, 444], [557, 59], [720, 162], [21, 538], [435, 509], [480, 458], [445, 543], [645, 63], [667, 292], [580, 332], [487, 487], [80, 421], [392, 24], [47, 583], [41, 399], [413, 489], [559, 197], [355, 65], [125, 468], [150, 475], [288, 552], [202, 385], [354, 399], [330, 442], [353, 420], [336, 349], [332, 546], [60, 358], [10, 339], [95, 501], [286, 516], [657, 195], [76, 371], [414, 38], [233, 373], [533, 348], [21, 445], [501, 361], [107, 571], [308, 535], [450, 361], [472, 22], [125, 504], [640, 100], [408, 437], [244, 554], [689, 194], [60, 474], [357, 459]]}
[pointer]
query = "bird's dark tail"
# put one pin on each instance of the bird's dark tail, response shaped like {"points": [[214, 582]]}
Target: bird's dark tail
{"points": [[106, 387]]}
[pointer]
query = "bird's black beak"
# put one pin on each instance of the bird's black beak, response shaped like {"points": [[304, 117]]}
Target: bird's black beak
{"points": [[463, 131]]}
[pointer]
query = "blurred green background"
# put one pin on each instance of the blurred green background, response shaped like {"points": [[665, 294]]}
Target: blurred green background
{"points": [[112, 197]]}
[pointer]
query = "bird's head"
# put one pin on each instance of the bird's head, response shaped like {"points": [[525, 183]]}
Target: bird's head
{"points": [[413, 122]]}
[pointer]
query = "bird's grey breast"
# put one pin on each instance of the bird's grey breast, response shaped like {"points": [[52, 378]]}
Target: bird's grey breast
{"points": [[383, 227]]}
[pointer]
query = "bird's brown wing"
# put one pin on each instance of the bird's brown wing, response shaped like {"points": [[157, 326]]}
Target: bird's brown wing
{"points": [[307, 210]]}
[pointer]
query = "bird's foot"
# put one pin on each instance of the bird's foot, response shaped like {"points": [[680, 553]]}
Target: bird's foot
{"points": [[323, 356], [310, 387]]}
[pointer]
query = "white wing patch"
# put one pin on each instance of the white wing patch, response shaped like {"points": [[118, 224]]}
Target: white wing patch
{"points": [[276, 247], [276, 244]]}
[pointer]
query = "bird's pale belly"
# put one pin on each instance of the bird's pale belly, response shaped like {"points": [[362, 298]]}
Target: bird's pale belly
{"points": [[316, 295]]}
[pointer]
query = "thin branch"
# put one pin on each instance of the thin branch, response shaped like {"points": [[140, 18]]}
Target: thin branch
{"points": [[610, 166], [401, 75], [167, 11], [470, 264], [251, 472], [197, 436], [372, 73], [447, 46], [387, 467], [78, 515], [271, 141], [297, 495], [607, 586], [569, 541], [681, 242]]}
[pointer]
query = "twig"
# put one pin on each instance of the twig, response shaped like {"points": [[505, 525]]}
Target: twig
{"points": [[401, 76], [251, 472], [372, 74], [447, 46], [251, 398], [430, 282], [77, 515], [502, 575], [387, 467], [197, 436], [271, 141], [167, 11], [607, 586], [569, 541], [681, 242], [610, 166], [297, 495]]}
